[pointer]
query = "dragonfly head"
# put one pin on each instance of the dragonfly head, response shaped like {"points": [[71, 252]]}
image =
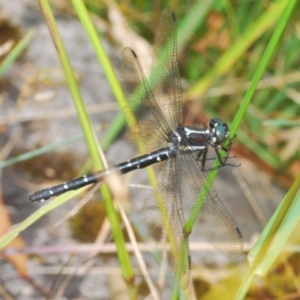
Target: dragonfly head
{"points": [[219, 131]]}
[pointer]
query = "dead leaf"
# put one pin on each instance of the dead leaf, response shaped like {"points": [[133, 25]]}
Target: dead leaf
{"points": [[18, 260]]}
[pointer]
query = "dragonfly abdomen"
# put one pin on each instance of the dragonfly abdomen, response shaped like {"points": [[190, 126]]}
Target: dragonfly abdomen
{"points": [[123, 168]]}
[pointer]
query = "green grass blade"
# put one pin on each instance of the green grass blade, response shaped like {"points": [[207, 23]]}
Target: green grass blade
{"points": [[269, 239], [15, 52], [72, 83], [278, 229], [99, 50]]}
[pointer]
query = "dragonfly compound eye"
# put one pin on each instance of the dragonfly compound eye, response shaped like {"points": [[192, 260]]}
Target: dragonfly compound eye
{"points": [[215, 122]]}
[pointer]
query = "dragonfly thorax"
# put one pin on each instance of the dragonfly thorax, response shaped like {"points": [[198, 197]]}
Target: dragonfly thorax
{"points": [[194, 138]]}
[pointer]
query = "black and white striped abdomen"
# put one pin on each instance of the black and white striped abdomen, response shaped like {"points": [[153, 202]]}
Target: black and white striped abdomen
{"points": [[125, 167]]}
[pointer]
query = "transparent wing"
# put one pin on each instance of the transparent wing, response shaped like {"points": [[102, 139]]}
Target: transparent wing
{"points": [[144, 117], [153, 115], [214, 222], [165, 77], [164, 216], [169, 206]]}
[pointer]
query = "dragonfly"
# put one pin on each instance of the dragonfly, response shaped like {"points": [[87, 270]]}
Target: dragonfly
{"points": [[154, 113]]}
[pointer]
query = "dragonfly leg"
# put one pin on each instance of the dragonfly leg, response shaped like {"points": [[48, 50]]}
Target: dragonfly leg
{"points": [[223, 162], [199, 155], [202, 153]]}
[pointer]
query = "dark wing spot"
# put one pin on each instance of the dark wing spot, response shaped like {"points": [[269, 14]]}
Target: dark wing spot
{"points": [[174, 17], [134, 54], [238, 231]]}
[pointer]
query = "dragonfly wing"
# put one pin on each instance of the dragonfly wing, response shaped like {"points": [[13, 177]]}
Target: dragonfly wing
{"points": [[165, 77], [214, 222], [163, 214], [155, 109], [143, 115]]}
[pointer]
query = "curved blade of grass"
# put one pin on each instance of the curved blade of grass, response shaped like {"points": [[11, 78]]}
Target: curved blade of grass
{"points": [[278, 230], [15, 52], [118, 123], [235, 52], [72, 83], [268, 247], [90, 139], [99, 50]]}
